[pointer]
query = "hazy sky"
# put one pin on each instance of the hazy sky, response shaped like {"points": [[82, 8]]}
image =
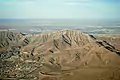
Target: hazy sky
{"points": [[74, 9]]}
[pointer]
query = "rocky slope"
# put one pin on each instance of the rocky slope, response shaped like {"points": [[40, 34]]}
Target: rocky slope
{"points": [[34, 56]]}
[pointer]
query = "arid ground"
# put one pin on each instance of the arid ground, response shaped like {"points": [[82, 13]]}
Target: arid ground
{"points": [[59, 55]]}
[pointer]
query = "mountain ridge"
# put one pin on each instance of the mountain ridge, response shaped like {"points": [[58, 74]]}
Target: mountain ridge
{"points": [[56, 52]]}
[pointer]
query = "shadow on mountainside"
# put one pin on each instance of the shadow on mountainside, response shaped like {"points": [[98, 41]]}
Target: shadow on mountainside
{"points": [[106, 45]]}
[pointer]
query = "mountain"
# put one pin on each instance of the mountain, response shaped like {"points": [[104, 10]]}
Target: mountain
{"points": [[54, 53]]}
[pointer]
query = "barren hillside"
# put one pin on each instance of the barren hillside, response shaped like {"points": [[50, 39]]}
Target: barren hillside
{"points": [[56, 56]]}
